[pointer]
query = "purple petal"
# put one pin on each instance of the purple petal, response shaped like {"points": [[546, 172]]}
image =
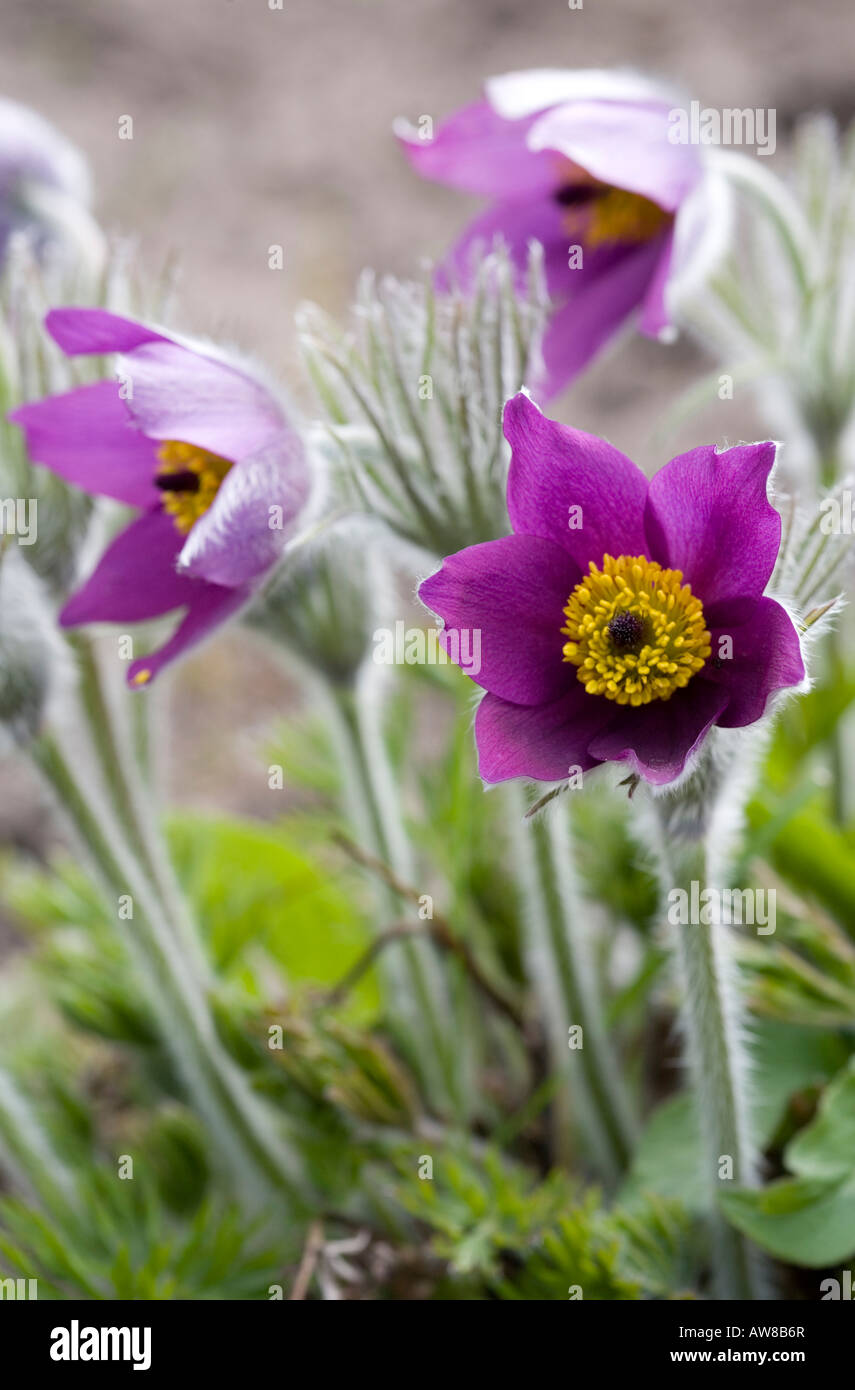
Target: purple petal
{"points": [[553, 469], [766, 658], [477, 151], [545, 742], [517, 225], [624, 144], [135, 579], [177, 393], [95, 330], [87, 437], [511, 592], [603, 300], [210, 606], [708, 515], [658, 739], [253, 515], [655, 318]]}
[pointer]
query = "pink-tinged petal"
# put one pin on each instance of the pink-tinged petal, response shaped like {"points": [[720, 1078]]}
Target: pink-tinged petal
{"points": [[210, 607], [544, 743], [555, 469], [88, 438], [503, 607], [603, 300], [766, 657], [135, 579], [517, 94], [655, 318], [253, 516], [176, 393], [624, 144], [477, 151], [517, 225], [709, 516], [80, 331], [657, 740]]}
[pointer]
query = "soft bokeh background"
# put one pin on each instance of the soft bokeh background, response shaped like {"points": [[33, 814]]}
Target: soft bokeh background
{"points": [[255, 126]]}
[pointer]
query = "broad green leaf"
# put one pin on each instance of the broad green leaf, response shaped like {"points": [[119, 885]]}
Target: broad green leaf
{"points": [[826, 1147], [806, 1221], [668, 1159], [252, 890]]}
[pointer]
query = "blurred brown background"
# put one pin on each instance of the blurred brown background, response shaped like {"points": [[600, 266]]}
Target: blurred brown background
{"points": [[255, 125]]}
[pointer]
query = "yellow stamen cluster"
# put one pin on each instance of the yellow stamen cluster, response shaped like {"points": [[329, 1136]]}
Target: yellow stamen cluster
{"points": [[617, 215], [198, 474], [636, 631]]}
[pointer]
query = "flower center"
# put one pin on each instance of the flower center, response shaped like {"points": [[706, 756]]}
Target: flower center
{"points": [[606, 215], [622, 216], [189, 479], [636, 631]]}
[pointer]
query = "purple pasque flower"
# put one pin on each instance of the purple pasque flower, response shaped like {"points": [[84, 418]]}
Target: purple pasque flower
{"points": [[200, 448], [581, 162], [44, 183], [623, 618]]}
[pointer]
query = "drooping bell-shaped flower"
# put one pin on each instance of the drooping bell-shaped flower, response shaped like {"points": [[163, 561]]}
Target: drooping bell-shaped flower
{"points": [[205, 453], [587, 164]]}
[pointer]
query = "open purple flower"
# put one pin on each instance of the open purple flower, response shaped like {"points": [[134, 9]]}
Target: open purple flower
{"points": [[204, 452], [581, 162], [623, 618]]}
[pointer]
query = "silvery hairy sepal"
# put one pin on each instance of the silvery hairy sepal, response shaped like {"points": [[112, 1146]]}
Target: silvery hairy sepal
{"points": [[781, 310], [813, 566], [32, 367], [816, 559], [324, 601], [34, 664], [413, 397]]}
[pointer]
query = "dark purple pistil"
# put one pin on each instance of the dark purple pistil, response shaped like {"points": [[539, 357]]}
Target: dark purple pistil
{"points": [[576, 195], [626, 631], [184, 481]]}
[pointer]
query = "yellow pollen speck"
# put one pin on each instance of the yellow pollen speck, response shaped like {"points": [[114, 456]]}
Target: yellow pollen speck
{"points": [[599, 214], [636, 632], [141, 678], [197, 474]]}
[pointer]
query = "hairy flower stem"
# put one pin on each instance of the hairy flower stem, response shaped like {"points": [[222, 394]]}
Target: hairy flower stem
{"points": [[414, 986], [248, 1142], [830, 471], [564, 978], [716, 1055], [120, 773], [28, 1154]]}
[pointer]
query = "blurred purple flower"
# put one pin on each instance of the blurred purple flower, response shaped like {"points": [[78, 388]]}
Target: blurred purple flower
{"points": [[44, 184], [201, 448], [623, 618], [581, 162]]}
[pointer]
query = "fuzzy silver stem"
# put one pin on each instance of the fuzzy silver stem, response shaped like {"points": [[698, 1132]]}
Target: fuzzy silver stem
{"points": [[697, 826], [248, 1137], [559, 962], [414, 989]]}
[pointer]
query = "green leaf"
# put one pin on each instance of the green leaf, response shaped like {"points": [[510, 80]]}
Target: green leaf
{"points": [[809, 1219], [809, 852], [668, 1159], [252, 890], [825, 1149], [806, 1221]]}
